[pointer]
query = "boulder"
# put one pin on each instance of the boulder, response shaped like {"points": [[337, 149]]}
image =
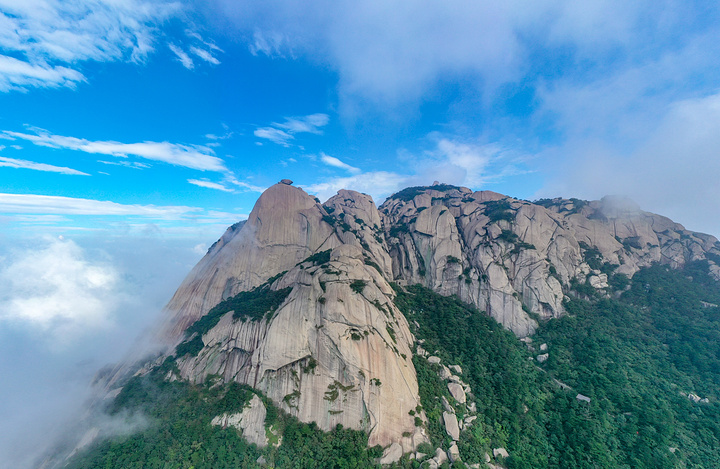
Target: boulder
{"points": [[456, 369], [440, 456], [541, 358], [446, 405], [433, 359], [392, 454], [457, 392], [451, 425], [251, 422], [500, 453], [454, 453]]}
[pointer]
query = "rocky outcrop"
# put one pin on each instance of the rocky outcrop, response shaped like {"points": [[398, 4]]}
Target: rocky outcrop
{"points": [[514, 259], [336, 350], [285, 226], [251, 422]]}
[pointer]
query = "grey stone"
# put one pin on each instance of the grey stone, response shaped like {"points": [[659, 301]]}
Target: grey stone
{"points": [[454, 453], [500, 452], [451, 425], [391, 454], [457, 392]]}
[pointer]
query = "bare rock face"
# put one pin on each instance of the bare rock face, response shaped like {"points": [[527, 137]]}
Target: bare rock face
{"points": [[451, 425], [284, 227], [512, 258], [251, 421], [337, 350]]}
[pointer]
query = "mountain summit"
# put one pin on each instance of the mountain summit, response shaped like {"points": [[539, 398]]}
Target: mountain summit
{"points": [[318, 306], [338, 329]]}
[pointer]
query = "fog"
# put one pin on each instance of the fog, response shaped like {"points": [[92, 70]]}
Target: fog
{"points": [[67, 308]]}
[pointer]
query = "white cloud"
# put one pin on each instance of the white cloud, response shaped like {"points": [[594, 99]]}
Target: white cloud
{"points": [[182, 57], [127, 164], [310, 123], [56, 289], [190, 156], [47, 204], [673, 171], [388, 54], [209, 185], [282, 133], [274, 135], [379, 184], [20, 75], [332, 161], [46, 33], [13, 163], [450, 161], [205, 55]]}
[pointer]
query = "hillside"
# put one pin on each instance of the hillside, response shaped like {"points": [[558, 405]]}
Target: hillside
{"points": [[444, 324]]}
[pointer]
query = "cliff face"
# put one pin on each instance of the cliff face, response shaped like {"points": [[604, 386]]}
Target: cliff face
{"points": [[337, 350], [511, 258]]}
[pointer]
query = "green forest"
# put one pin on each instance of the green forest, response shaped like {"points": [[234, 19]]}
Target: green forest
{"points": [[647, 355]]}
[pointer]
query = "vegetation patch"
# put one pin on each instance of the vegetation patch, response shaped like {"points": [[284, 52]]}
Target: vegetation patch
{"points": [[181, 435], [410, 193], [254, 305], [319, 258], [497, 210], [358, 285]]}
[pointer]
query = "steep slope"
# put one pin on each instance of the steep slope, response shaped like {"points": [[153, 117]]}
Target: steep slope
{"points": [[300, 302], [335, 350], [284, 227]]}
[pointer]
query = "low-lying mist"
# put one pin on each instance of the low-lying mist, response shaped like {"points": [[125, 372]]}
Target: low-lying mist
{"points": [[69, 307]]}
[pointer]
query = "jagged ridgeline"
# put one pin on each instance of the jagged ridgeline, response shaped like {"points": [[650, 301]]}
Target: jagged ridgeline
{"points": [[446, 327]]}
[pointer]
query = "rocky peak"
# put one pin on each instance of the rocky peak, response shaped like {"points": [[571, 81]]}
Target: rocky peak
{"points": [[284, 227], [333, 348], [515, 259]]}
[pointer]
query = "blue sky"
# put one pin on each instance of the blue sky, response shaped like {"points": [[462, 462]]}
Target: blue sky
{"points": [[133, 116], [133, 132]]}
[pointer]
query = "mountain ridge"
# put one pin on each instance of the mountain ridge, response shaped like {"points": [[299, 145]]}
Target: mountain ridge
{"points": [[334, 348]]}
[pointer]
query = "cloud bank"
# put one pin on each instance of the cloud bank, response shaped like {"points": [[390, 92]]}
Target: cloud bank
{"points": [[189, 156], [43, 42]]}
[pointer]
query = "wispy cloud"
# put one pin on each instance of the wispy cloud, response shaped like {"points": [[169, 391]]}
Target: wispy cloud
{"points": [[332, 161], [25, 164], [127, 164], [21, 75], [182, 57], [450, 160], [190, 156], [205, 55], [311, 124], [281, 133], [209, 185], [245, 185], [48, 204], [274, 135], [48, 39], [272, 44]]}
